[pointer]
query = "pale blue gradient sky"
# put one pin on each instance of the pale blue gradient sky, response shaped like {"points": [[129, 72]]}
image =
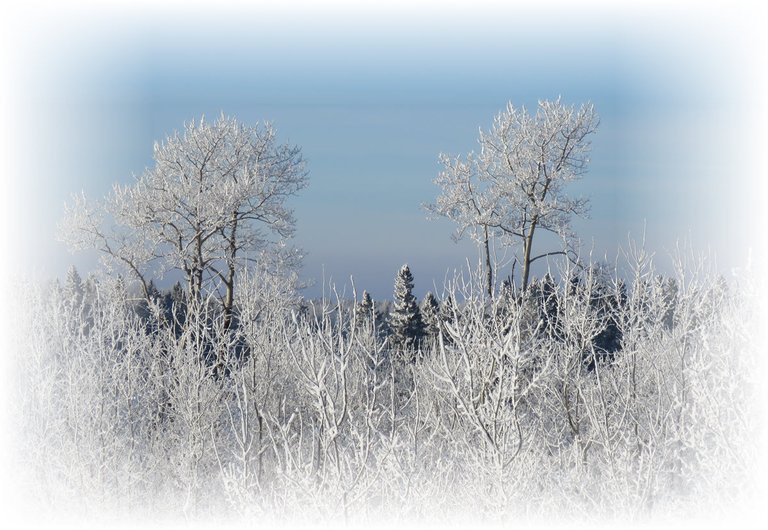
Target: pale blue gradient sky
{"points": [[373, 97]]}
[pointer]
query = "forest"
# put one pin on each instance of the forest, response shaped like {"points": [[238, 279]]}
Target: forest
{"points": [[594, 391]]}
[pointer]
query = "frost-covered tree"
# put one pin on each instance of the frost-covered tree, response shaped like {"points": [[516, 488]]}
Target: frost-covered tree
{"points": [[405, 320], [430, 315], [74, 301], [73, 288], [467, 200], [448, 313], [215, 198], [364, 313], [515, 186], [547, 302]]}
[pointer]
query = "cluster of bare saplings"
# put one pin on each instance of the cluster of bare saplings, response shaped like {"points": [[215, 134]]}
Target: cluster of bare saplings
{"points": [[306, 411]]}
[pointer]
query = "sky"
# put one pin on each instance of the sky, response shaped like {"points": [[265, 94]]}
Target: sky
{"points": [[373, 95]]}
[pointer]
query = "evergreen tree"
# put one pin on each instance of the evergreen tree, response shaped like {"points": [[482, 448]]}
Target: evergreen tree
{"points": [[74, 301], [381, 317], [530, 310], [549, 305], [405, 319], [57, 292], [669, 291], [152, 292], [91, 289], [370, 333], [178, 296], [606, 299], [430, 314], [364, 314], [144, 306], [73, 289], [177, 307], [91, 300], [503, 305], [447, 317]]}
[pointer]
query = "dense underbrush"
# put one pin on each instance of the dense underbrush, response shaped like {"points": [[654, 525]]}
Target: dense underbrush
{"points": [[597, 395]]}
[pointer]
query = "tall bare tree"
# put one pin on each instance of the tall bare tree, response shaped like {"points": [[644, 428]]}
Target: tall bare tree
{"points": [[216, 194], [515, 186]]}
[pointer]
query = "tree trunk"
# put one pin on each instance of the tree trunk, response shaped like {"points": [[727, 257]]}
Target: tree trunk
{"points": [[488, 270], [527, 255], [196, 273], [229, 299]]}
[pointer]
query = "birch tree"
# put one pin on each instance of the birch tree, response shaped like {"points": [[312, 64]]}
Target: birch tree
{"points": [[215, 198], [514, 188]]}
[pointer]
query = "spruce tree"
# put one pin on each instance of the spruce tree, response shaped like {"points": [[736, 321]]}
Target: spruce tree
{"points": [[430, 315], [447, 317], [178, 296], [549, 303], [405, 319], [364, 315], [73, 289], [177, 307], [144, 306], [153, 292], [669, 291], [503, 305], [91, 291]]}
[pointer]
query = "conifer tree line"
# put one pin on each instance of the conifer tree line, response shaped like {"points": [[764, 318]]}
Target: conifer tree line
{"points": [[407, 328], [592, 390]]}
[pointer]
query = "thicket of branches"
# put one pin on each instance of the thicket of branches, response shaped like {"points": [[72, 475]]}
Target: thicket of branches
{"points": [[597, 392], [593, 392]]}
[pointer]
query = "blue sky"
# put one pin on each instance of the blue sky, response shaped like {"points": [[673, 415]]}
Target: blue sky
{"points": [[372, 96]]}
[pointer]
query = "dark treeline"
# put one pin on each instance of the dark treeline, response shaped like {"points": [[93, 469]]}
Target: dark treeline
{"points": [[405, 324]]}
